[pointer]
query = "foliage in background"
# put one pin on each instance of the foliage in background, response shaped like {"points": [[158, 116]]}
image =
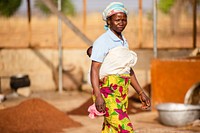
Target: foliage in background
{"points": [[9, 7], [66, 7], [165, 5]]}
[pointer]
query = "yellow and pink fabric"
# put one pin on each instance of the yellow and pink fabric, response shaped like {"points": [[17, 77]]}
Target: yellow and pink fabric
{"points": [[115, 94]]}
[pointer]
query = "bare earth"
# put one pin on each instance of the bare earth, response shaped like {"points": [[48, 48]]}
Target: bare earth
{"points": [[145, 122]]}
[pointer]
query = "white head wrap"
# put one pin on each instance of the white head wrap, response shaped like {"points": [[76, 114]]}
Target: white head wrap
{"points": [[113, 8]]}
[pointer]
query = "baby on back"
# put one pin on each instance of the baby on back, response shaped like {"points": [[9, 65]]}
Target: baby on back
{"points": [[119, 60]]}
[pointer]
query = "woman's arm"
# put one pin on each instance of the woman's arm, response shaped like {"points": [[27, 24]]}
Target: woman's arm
{"points": [[99, 102], [143, 97]]}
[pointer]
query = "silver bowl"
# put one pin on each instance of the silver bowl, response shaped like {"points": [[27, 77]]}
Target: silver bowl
{"points": [[177, 114]]}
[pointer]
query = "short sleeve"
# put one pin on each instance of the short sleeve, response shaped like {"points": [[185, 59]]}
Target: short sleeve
{"points": [[99, 50]]}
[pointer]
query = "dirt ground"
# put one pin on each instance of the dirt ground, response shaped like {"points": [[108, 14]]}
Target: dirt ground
{"points": [[144, 122]]}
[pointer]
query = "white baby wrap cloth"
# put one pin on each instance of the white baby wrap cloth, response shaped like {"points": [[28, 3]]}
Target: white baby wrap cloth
{"points": [[119, 60]]}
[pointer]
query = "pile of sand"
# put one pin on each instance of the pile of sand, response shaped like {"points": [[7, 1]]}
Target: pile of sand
{"points": [[34, 116]]}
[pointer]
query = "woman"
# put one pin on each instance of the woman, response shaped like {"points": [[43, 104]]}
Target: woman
{"points": [[111, 95]]}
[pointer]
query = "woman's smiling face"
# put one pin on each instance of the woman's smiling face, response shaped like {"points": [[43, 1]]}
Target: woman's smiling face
{"points": [[118, 22]]}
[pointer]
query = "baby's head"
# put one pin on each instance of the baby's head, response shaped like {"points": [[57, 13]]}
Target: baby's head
{"points": [[89, 51]]}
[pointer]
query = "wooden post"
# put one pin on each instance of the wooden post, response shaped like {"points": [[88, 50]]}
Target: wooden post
{"points": [[194, 23], [140, 24], [29, 11], [29, 21], [84, 14]]}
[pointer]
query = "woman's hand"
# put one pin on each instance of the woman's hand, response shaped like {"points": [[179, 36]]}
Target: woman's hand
{"points": [[145, 100], [100, 104]]}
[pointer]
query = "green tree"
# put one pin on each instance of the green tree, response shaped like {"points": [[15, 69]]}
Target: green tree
{"points": [[165, 5], [174, 9], [66, 7], [9, 7]]}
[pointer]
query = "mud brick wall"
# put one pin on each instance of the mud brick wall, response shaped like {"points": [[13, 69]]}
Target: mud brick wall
{"points": [[172, 78]]}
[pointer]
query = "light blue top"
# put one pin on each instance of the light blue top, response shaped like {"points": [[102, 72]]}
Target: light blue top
{"points": [[104, 43]]}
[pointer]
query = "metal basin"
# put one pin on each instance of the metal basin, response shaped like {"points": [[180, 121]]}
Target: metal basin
{"points": [[176, 114]]}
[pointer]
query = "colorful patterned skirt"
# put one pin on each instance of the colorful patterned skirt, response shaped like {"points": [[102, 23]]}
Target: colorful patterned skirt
{"points": [[115, 93]]}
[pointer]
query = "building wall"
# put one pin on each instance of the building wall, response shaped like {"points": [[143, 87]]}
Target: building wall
{"points": [[39, 64]]}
